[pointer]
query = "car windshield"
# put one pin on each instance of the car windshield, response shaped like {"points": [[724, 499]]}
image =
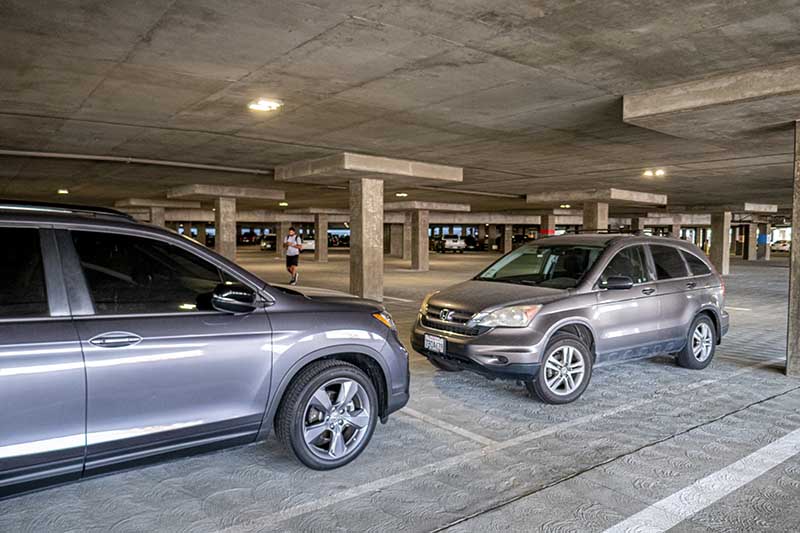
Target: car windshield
{"points": [[546, 265]]}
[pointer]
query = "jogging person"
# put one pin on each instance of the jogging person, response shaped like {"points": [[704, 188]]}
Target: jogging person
{"points": [[293, 244]]}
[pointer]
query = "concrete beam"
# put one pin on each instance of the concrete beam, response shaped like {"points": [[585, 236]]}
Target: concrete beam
{"points": [[342, 167], [200, 190], [426, 206], [318, 210], [156, 202], [608, 196]]}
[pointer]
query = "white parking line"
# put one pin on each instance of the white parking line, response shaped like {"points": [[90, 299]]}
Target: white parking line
{"points": [[396, 299], [406, 475], [447, 426], [737, 308], [685, 503]]}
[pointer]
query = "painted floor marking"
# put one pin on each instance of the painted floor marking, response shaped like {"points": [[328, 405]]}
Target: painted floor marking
{"points": [[738, 308], [412, 413], [676, 508]]}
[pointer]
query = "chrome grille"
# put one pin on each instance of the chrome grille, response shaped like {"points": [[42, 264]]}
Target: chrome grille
{"points": [[456, 324]]}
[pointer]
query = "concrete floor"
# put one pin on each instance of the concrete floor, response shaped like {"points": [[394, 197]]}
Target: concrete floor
{"points": [[473, 455]]}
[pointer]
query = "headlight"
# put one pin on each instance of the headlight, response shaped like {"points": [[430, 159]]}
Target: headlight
{"points": [[516, 316], [424, 307], [385, 318]]}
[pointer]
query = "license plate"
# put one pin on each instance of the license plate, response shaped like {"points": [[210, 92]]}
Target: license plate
{"points": [[434, 344]]}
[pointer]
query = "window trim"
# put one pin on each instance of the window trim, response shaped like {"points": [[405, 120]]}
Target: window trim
{"points": [[679, 250], [648, 265], [689, 267]]}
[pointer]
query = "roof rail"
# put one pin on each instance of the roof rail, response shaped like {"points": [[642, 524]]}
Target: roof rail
{"points": [[49, 207], [608, 231]]}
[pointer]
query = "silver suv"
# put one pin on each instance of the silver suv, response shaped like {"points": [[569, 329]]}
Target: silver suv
{"points": [[121, 341], [549, 311]]}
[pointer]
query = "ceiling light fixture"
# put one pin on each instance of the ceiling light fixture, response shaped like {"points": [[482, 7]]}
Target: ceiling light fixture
{"points": [[648, 173], [63, 191], [565, 206], [401, 194], [265, 104], [283, 204], [660, 172]]}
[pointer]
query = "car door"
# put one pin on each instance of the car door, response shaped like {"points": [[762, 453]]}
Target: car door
{"points": [[163, 370], [676, 293], [626, 320], [42, 383]]}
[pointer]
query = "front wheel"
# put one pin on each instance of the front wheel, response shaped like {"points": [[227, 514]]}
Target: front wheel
{"points": [[328, 414], [700, 346], [565, 371]]}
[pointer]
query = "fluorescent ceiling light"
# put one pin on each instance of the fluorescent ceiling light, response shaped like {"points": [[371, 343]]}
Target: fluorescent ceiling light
{"points": [[660, 172], [647, 173], [265, 104], [283, 204], [401, 194], [63, 191], [565, 206]]}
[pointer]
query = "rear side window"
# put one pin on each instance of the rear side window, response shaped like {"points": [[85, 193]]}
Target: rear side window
{"points": [[697, 266], [22, 285], [668, 261], [128, 274], [629, 263]]}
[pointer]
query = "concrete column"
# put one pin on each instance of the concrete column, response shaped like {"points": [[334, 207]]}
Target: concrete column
{"points": [[366, 238], [720, 242], [283, 232], [675, 230], [201, 233], [793, 333], [493, 234], [763, 251], [396, 240], [225, 224], [321, 238], [637, 224], [547, 228], [508, 238], [420, 255], [750, 242], [158, 216], [407, 237], [595, 216]]}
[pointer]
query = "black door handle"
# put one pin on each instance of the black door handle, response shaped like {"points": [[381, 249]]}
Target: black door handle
{"points": [[115, 339], [648, 291]]}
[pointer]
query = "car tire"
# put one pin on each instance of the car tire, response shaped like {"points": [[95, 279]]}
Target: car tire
{"points": [[301, 415], [556, 386], [444, 365], [701, 344]]}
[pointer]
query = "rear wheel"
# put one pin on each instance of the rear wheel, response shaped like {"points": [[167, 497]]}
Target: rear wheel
{"points": [[565, 371], [701, 344], [328, 414]]}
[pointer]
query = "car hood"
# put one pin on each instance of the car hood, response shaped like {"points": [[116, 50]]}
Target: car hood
{"points": [[332, 297], [473, 296]]}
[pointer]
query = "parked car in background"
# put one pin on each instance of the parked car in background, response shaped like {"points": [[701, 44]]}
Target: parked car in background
{"points": [[473, 243], [549, 311], [781, 246], [309, 245], [268, 243], [122, 341], [452, 243]]}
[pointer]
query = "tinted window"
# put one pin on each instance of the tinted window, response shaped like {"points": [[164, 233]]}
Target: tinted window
{"points": [[22, 285], [557, 266], [697, 266], [668, 261], [129, 274], [629, 263]]}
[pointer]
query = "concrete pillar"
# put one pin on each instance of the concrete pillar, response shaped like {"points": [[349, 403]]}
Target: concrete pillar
{"points": [[547, 228], [396, 240], [750, 242], [675, 231], [366, 238], [282, 233], [637, 224], [493, 234], [508, 238], [407, 237], [763, 251], [793, 333], [321, 238], [201, 233], [158, 216], [720, 242], [595, 216], [420, 254], [225, 223]]}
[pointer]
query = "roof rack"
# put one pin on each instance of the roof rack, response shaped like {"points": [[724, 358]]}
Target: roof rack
{"points": [[56, 208]]}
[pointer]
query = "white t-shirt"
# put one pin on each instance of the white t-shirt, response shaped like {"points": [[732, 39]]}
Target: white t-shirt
{"points": [[293, 239]]}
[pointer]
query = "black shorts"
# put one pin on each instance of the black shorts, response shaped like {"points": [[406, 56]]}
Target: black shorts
{"points": [[292, 260]]}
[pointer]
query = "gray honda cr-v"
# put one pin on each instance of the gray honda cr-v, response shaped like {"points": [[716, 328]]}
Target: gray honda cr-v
{"points": [[549, 311], [120, 341]]}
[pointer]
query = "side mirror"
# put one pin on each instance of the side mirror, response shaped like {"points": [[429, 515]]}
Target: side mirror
{"points": [[233, 298], [618, 283]]}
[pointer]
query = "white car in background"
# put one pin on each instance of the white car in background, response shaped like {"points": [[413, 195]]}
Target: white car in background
{"points": [[781, 246], [309, 245], [453, 243]]}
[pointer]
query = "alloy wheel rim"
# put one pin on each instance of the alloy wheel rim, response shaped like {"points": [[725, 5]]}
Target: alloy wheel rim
{"points": [[564, 370], [702, 342], [336, 419]]}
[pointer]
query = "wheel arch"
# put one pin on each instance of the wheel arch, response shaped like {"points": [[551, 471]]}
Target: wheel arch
{"points": [[582, 330], [711, 313]]}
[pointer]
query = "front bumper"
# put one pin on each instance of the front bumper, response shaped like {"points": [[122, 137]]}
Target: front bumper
{"points": [[506, 354]]}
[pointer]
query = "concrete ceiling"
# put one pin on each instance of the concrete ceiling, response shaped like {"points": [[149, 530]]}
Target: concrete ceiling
{"points": [[526, 96]]}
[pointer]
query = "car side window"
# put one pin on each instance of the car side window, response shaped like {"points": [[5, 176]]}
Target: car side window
{"points": [[668, 261], [697, 266], [23, 293], [134, 275], [630, 263]]}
